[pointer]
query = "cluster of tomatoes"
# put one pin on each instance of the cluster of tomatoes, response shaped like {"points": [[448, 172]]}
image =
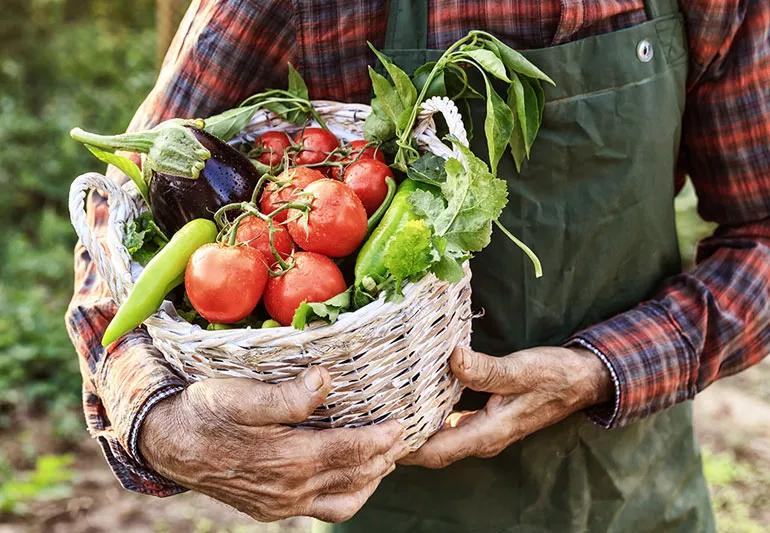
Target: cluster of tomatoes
{"points": [[283, 247]]}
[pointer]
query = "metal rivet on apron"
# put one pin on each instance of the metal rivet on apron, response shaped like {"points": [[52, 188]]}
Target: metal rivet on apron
{"points": [[644, 51]]}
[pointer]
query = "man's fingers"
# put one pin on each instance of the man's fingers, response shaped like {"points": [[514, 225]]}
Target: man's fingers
{"points": [[481, 372], [251, 402], [341, 507], [340, 448], [352, 479], [479, 435]]}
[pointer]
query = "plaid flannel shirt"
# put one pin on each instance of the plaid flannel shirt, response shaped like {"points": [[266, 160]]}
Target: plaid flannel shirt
{"points": [[704, 324]]}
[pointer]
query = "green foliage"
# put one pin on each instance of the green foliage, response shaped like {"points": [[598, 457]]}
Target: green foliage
{"points": [[62, 63], [737, 490], [49, 480], [690, 227], [410, 252], [395, 106], [327, 311]]}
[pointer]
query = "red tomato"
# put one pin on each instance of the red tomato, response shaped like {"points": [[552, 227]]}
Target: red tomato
{"points": [[290, 180], [316, 143], [274, 143], [336, 224], [370, 152], [366, 177], [314, 278], [255, 232], [136, 158], [225, 283]]}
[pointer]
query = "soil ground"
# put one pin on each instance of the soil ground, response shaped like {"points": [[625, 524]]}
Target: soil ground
{"points": [[732, 421]]}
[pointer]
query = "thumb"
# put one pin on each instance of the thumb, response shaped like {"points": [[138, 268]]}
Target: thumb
{"points": [[485, 373], [254, 403]]}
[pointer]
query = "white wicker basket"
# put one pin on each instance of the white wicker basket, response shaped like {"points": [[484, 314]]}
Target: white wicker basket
{"points": [[387, 360]]}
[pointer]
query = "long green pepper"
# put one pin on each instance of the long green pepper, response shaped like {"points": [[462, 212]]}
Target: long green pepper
{"points": [[164, 272]]}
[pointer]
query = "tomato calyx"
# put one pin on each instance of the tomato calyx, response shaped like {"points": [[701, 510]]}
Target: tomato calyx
{"points": [[229, 228]]}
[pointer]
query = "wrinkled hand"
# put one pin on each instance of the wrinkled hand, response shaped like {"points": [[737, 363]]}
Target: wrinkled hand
{"points": [[226, 438], [532, 389]]}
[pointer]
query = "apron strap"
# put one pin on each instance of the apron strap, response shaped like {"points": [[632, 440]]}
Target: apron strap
{"points": [[407, 25], [660, 8]]}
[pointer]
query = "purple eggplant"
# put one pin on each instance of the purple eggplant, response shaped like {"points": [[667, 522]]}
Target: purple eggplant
{"points": [[191, 173], [227, 177]]}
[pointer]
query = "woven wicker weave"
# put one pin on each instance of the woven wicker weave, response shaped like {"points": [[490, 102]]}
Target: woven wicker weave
{"points": [[387, 360]]}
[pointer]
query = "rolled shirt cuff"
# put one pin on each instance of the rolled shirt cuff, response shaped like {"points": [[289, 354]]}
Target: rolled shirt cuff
{"points": [[650, 361]]}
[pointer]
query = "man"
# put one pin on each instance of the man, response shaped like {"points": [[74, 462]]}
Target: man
{"points": [[613, 327]]}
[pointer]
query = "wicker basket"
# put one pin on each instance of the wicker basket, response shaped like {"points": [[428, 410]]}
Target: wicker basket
{"points": [[387, 360]]}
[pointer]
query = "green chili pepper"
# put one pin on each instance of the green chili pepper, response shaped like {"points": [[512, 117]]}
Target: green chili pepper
{"points": [[370, 267], [270, 323], [218, 327], [164, 272]]}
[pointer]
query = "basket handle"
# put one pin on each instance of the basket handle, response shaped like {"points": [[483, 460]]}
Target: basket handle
{"points": [[454, 122], [105, 247]]}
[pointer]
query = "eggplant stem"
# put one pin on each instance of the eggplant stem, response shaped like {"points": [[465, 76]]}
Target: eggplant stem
{"points": [[130, 142]]}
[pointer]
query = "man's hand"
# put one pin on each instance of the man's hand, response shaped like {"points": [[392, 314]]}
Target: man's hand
{"points": [[532, 389], [227, 438]]}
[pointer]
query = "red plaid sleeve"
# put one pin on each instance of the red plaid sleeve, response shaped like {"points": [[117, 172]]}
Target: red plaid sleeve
{"points": [[222, 53], [120, 383], [713, 321]]}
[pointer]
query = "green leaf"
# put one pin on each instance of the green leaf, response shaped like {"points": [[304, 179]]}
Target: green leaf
{"points": [[513, 59], [516, 140], [489, 61], [226, 125], [279, 108], [143, 238], [472, 199], [377, 126], [540, 94], [409, 252], [531, 112], [475, 198], [388, 100], [427, 205], [429, 168], [327, 311], [297, 85], [448, 269], [126, 166], [516, 96], [404, 87], [498, 125]]}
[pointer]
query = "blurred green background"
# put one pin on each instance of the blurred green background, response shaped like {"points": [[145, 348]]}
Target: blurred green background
{"points": [[62, 63], [90, 63]]}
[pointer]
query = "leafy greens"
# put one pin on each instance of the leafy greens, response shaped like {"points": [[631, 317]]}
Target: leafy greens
{"points": [[511, 122]]}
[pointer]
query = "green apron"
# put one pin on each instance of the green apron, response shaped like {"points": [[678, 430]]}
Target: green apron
{"points": [[596, 203]]}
